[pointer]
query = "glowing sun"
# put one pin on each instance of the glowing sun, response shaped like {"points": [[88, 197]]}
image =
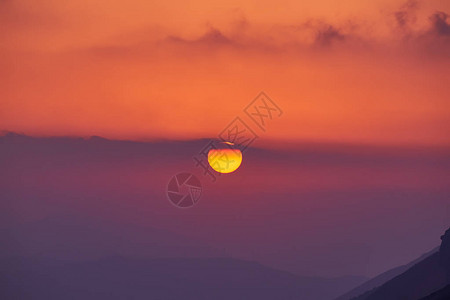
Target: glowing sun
{"points": [[226, 159]]}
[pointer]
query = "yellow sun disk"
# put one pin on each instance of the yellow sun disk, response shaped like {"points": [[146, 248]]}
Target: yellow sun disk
{"points": [[224, 160]]}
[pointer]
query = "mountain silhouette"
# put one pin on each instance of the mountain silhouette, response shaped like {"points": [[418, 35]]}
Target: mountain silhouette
{"points": [[424, 278], [384, 277], [84, 258], [442, 294], [164, 278]]}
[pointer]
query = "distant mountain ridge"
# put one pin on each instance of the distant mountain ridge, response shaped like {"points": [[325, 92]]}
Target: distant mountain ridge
{"points": [[66, 255], [384, 277], [442, 294], [424, 278], [164, 278]]}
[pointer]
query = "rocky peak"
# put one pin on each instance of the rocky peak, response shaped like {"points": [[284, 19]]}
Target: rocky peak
{"points": [[445, 245], [444, 251]]}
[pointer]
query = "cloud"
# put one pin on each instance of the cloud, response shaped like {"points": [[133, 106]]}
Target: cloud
{"points": [[327, 35], [352, 34], [406, 15], [213, 37], [244, 33], [439, 24], [435, 39]]}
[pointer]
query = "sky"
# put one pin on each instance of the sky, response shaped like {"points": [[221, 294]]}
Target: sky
{"points": [[373, 72], [351, 179]]}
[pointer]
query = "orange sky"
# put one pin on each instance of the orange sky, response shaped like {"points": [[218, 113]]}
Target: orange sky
{"points": [[350, 71]]}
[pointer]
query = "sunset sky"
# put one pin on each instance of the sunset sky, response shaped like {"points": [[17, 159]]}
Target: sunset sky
{"points": [[347, 71], [351, 179]]}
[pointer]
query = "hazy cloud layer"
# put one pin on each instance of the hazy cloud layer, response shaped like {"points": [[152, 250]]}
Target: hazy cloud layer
{"points": [[362, 72]]}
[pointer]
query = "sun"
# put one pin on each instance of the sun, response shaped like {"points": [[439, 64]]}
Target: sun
{"points": [[226, 159]]}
